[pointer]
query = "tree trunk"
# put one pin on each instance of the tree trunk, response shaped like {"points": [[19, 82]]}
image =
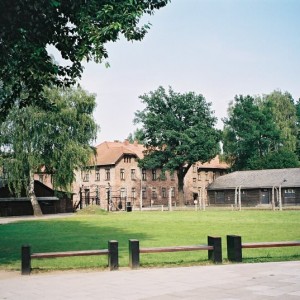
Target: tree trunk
{"points": [[180, 176], [35, 204]]}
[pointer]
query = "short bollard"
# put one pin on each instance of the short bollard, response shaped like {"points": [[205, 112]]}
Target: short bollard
{"points": [[113, 255], [215, 255], [234, 248], [25, 260], [134, 254]]}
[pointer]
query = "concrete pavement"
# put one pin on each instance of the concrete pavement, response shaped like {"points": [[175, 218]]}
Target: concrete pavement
{"points": [[280, 280]]}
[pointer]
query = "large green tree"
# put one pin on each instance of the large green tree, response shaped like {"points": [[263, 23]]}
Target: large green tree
{"points": [[283, 112], [259, 132], [177, 130], [79, 29], [57, 141], [298, 128]]}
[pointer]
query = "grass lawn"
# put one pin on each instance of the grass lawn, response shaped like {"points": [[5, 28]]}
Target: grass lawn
{"points": [[152, 229]]}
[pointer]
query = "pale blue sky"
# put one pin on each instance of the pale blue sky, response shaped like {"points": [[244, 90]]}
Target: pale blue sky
{"points": [[218, 48]]}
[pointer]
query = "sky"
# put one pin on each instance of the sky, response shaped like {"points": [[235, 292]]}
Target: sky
{"points": [[217, 48]]}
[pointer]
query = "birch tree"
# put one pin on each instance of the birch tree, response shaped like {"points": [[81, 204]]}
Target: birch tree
{"points": [[56, 140]]}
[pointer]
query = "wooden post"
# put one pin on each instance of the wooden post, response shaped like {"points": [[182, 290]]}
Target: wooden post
{"points": [[113, 255], [26, 260], [234, 248], [215, 255], [134, 254]]}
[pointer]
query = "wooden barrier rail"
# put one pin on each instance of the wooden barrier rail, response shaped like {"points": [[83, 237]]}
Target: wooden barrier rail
{"points": [[112, 252], [235, 246], [214, 249]]}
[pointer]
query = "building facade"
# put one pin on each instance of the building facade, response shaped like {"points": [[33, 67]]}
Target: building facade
{"points": [[257, 188], [114, 180]]}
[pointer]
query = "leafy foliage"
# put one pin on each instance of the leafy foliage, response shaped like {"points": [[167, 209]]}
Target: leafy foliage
{"points": [[260, 133], [78, 29], [55, 141], [178, 130]]}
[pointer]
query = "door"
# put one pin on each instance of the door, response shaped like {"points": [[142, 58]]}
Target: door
{"points": [[264, 197]]}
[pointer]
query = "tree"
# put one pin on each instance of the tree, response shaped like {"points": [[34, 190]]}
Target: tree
{"points": [[283, 111], [259, 132], [78, 29], [56, 140], [136, 136], [298, 128], [178, 130]]}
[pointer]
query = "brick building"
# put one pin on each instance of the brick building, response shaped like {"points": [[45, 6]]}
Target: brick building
{"points": [[114, 180]]}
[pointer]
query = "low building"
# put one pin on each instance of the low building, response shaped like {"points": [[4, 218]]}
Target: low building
{"points": [[256, 188], [51, 201]]}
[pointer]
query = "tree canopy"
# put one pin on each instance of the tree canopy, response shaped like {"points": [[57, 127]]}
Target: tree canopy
{"points": [[260, 132], [56, 141], [78, 29], [177, 130]]}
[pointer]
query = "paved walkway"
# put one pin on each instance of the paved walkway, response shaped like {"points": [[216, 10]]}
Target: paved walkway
{"points": [[235, 281]]}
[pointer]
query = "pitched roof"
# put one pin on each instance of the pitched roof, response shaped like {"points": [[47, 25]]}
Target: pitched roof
{"points": [[214, 163], [258, 179], [108, 153]]}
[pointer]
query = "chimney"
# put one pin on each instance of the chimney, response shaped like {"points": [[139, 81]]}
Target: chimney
{"points": [[126, 142]]}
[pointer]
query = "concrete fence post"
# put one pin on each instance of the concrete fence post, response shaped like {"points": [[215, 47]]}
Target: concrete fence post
{"points": [[215, 255], [113, 255], [134, 254], [234, 248], [25, 260]]}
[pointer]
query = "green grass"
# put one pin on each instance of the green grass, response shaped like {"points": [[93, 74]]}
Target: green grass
{"points": [[153, 229]]}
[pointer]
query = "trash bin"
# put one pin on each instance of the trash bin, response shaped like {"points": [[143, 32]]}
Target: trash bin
{"points": [[128, 206]]}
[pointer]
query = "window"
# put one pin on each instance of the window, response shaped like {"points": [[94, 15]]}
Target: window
{"points": [[194, 179], [289, 193], [107, 174], [127, 159], [206, 176], [97, 175], [122, 174], [133, 193], [123, 193], [133, 174], [154, 195], [199, 176], [144, 195], [144, 175], [86, 176], [194, 168], [164, 192], [214, 175], [172, 176], [153, 174], [41, 178], [172, 192]]}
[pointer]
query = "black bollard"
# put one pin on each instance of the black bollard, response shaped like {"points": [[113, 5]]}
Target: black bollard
{"points": [[234, 248], [134, 254], [113, 255], [25, 260], [215, 255]]}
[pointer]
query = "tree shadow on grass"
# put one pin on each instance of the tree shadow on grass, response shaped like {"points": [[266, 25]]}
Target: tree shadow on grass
{"points": [[63, 235]]}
